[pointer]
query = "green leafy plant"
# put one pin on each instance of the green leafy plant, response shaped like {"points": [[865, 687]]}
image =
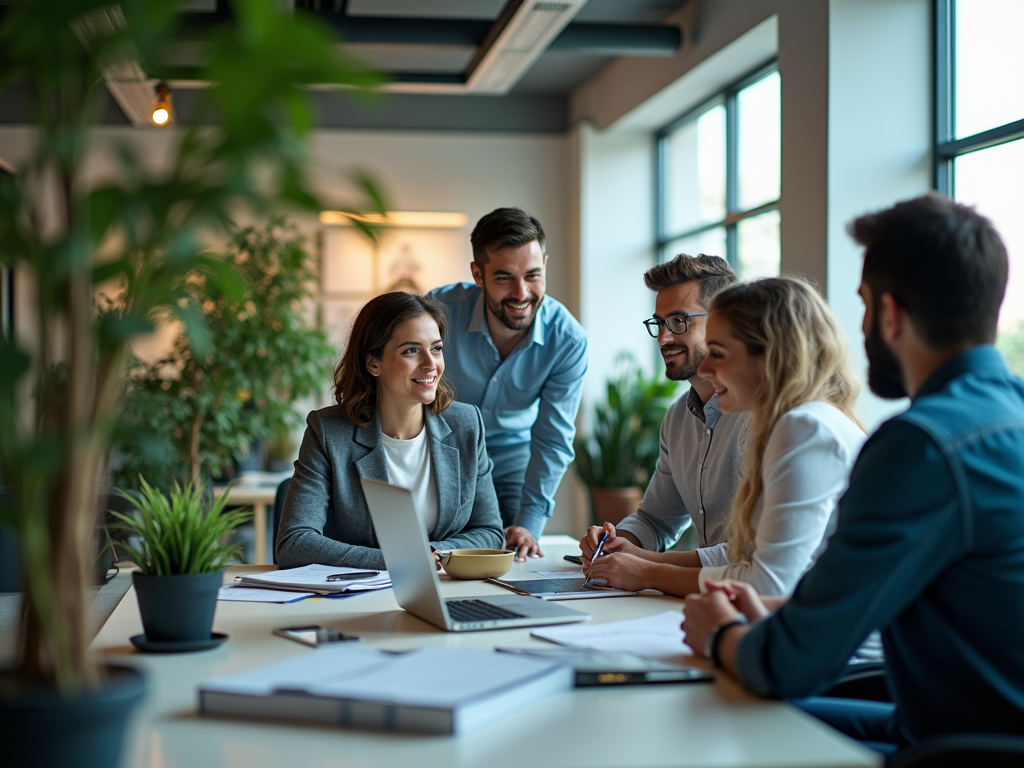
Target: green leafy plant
{"points": [[136, 232], [181, 533], [621, 448], [189, 414]]}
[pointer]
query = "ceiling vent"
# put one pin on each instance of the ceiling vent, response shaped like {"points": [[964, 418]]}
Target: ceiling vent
{"points": [[125, 80], [529, 28]]}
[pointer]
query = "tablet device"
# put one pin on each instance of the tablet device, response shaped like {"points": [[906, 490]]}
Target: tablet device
{"points": [[575, 588]]}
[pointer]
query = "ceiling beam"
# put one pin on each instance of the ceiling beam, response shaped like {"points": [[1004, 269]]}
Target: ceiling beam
{"points": [[619, 39], [590, 38]]}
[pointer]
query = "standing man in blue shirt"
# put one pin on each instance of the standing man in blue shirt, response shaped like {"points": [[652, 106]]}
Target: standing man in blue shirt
{"points": [[520, 357], [930, 539]]}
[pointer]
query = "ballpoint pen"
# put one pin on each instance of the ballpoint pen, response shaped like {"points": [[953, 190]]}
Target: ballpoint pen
{"points": [[352, 576], [597, 553]]}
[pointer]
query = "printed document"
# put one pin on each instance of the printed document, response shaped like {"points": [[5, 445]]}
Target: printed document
{"points": [[656, 637]]}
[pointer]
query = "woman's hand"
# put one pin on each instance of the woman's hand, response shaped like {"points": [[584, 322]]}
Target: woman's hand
{"points": [[588, 544], [621, 571]]}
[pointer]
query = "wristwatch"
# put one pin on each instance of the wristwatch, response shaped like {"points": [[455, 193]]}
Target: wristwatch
{"points": [[711, 641]]}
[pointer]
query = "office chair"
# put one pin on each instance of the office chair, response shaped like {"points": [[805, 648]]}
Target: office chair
{"points": [[10, 562], [279, 496], [864, 681], [988, 750]]}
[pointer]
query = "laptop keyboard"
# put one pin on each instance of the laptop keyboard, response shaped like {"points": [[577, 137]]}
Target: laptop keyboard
{"points": [[478, 610]]}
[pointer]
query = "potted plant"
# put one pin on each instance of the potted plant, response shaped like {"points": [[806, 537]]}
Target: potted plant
{"points": [[282, 449], [136, 231], [202, 408], [617, 456], [182, 548]]}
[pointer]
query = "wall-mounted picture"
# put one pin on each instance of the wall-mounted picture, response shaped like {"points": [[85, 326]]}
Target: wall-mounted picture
{"points": [[413, 260], [418, 260]]}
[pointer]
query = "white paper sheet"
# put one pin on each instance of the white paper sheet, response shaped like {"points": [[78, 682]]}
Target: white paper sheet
{"points": [[559, 574], [242, 594], [314, 577], [658, 636]]}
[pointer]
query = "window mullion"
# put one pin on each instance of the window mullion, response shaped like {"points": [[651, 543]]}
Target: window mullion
{"points": [[731, 175], [944, 92]]}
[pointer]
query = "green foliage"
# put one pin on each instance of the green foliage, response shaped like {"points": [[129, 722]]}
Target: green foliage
{"points": [[622, 448], [136, 233], [178, 534], [1012, 347], [197, 409]]}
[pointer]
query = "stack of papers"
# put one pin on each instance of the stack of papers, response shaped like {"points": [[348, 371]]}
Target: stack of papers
{"points": [[298, 583]]}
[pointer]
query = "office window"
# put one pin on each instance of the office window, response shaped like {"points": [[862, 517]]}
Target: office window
{"points": [[719, 178], [979, 148]]}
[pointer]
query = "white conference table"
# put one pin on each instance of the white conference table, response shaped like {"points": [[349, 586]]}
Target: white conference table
{"points": [[715, 724]]}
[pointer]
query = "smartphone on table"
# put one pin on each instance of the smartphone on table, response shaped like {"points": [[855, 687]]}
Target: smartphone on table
{"points": [[315, 635], [577, 559]]}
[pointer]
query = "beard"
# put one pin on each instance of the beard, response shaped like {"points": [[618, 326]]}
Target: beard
{"points": [[512, 323], [689, 363], [885, 377]]}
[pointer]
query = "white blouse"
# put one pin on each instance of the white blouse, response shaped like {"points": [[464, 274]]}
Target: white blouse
{"points": [[410, 467], [805, 469]]}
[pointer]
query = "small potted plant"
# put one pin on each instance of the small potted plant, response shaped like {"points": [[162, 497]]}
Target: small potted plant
{"points": [[618, 455], [182, 549], [281, 450]]}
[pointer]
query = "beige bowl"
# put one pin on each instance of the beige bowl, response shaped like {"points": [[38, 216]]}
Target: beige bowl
{"points": [[476, 563]]}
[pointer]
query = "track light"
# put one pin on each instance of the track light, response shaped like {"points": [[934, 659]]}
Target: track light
{"points": [[162, 107]]}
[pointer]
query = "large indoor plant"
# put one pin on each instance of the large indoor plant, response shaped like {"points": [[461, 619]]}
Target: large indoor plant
{"points": [[138, 232], [617, 452], [180, 542], [200, 409]]}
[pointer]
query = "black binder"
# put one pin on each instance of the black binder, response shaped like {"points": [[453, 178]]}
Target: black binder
{"points": [[603, 668]]}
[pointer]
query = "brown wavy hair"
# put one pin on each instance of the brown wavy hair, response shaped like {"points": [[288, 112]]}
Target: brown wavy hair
{"points": [[355, 389], [806, 358]]}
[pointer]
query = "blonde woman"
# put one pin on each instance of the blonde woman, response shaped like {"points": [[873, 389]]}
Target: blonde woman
{"points": [[774, 349]]}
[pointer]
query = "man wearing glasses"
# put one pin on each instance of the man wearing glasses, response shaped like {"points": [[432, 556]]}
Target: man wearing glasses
{"points": [[701, 457]]}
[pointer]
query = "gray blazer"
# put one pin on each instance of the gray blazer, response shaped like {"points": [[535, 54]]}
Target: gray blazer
{"points": [[325, 518]]}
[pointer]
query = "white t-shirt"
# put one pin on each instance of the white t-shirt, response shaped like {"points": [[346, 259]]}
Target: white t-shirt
{"points": [[409, 467]]}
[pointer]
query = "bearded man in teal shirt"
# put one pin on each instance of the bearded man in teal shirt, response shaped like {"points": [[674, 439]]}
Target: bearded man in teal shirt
{"points": [[929, 546]]}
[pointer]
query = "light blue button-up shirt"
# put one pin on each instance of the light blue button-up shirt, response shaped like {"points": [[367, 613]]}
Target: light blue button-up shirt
{"points": [[530, 397]]}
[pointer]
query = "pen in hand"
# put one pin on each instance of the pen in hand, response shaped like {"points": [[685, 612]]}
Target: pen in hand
{"points": [[352, 576], [597, 553]]}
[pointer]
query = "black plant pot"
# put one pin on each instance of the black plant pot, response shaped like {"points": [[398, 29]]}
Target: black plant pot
{"points": [[179, 607], [39, 727]]}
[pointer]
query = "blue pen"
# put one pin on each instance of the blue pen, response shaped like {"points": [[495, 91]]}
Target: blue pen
{"points": [[597, 553]]}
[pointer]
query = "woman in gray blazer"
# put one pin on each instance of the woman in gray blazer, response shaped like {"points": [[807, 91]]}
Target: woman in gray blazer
{"points": [[395, 420]]}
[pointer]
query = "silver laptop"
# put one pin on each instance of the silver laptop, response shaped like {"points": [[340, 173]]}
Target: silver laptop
{"points": [[403, 541]]}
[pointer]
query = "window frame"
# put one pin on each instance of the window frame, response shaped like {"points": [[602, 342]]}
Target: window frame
{"points": [[733, 214], [947, 148]]}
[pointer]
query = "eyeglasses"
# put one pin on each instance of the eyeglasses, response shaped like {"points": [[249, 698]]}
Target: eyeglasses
{"points": [[677, 323]]}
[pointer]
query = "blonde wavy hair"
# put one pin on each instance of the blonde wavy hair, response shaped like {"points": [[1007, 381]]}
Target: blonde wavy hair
{"points": [[806, 358]]}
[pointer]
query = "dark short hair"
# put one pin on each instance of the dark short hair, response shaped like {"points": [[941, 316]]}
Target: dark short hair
{"points": [[355, 389], [942, 261], [504, 227], [712, 272]]}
